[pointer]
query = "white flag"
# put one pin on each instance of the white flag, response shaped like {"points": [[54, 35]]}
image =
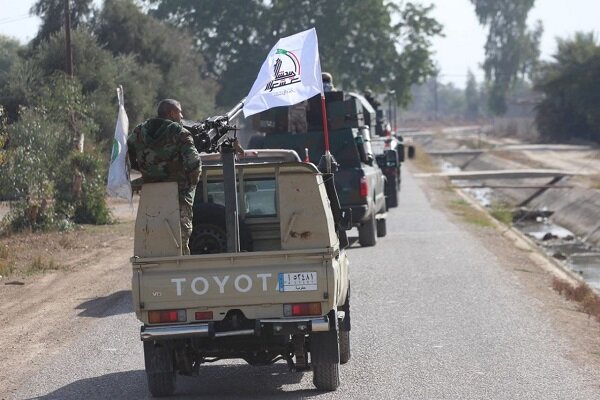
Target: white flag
{"points": [[290, 74], [118, 173]]}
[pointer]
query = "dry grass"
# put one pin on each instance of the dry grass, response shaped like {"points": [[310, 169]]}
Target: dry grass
{"points": [[469, 214], [39, 265], [423, 161], [502, 212], [588, 301], [6, 263], [594, 181], [33, 254]]}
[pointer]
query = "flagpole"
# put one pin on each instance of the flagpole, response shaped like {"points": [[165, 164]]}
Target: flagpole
{"points": [[326, 133]]}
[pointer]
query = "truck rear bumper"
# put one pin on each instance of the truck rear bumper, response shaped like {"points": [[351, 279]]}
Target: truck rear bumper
{"points": [[278, 326]]}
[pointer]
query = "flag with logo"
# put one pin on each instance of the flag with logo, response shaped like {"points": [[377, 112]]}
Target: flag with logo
{"points": [[118, 173], [290, 74]]}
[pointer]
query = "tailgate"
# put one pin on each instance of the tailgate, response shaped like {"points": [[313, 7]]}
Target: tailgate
{"points": [[258, 283]]}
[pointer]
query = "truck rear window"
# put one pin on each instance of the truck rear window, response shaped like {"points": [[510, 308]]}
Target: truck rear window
{"points": [[260, 197]]}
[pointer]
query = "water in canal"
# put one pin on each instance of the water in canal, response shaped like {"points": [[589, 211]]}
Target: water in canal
{"points": [[557, 241]]}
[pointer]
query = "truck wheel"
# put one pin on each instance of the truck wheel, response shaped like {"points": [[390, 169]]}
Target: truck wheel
{"points": [[367, 233], [326, 376], [160, 370], [392, 199], [344, 346], [208, 239], [161, 384], [209, 233], [381, 227]]}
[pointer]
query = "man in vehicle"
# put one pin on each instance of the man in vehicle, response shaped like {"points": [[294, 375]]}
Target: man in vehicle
{"points": [[163, 151], [327, 82]]}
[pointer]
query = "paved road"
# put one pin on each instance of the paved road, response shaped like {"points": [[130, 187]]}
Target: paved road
{"points": [[434, 317]]}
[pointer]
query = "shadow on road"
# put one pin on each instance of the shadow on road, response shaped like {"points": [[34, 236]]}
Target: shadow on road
{"points": [[107, 306], [215, 381]]}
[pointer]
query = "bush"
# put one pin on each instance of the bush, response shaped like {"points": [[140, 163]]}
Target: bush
{"points": [[80, 193]]}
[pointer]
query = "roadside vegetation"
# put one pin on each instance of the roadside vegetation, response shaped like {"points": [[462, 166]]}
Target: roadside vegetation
{"points": [[588, 300], [56, 129]]}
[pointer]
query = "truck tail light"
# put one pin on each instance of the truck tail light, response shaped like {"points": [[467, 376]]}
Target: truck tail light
{"points": [[301, 309], [364, 187], [204, 315], [166, 316]]}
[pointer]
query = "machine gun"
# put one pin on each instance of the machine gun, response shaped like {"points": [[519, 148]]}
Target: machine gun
{"points": [[210, 135]]}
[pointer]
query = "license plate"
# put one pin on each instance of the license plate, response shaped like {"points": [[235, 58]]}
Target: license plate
{"points": [[297, 281]]}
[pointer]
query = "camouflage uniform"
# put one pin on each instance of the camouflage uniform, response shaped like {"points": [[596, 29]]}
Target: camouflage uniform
{"points": [[164, 151], [297, 118]]}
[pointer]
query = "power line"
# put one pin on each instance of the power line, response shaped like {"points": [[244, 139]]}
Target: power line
{"points": [[4, 21]]}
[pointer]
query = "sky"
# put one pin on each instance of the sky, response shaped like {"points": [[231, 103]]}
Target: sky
{"points": [[460, 50]]}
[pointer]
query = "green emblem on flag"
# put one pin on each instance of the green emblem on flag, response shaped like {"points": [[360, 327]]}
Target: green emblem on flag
{"points": [[116, 149], [281, 51]]}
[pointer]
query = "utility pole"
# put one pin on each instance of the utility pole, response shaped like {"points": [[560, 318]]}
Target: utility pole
{"points": [[69, 52], [435, 95], [78, 137]]}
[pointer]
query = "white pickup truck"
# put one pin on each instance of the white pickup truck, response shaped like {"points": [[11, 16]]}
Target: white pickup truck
{"points": [[285, 296]]}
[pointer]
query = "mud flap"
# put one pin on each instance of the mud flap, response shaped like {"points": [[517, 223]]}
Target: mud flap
{"points": [[158, 358], [324, 346], [345, 324]]}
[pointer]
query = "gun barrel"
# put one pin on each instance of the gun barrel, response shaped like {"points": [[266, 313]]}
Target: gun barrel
{"points": [[235, 111]]}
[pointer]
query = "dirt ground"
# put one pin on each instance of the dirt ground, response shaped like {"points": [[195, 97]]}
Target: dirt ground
{"points": [[59, 278], [64, 279]]}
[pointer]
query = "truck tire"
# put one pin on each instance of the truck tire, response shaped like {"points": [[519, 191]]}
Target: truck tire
{"points": [[208, 239], [381, 227], [326, 376], [392, 200], [160, 370], [209, 232], [344, 346], [161, 384], [367, 232]]}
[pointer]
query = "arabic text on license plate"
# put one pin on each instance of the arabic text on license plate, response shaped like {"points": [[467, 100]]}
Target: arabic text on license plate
{"points": [[297, 281]]}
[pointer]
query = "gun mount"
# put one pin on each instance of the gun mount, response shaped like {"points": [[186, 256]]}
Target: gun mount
{"points": [[210, 136]]}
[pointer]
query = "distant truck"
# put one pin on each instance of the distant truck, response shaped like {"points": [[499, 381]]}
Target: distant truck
{"points": [[284, 296], [359, 181], [389, 153]]}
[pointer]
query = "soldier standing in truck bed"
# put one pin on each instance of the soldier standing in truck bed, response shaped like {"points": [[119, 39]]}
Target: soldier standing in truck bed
{"points": [[163, 151], [297, 117]]}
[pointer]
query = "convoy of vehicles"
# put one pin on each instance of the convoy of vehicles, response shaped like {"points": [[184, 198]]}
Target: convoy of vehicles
{"points": [[268, 277], [365, 188]]}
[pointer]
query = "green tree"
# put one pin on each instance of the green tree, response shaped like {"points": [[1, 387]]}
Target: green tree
{"points": [[9, 54], [359, 42], [52, 13], [10, 60], [126, 31], [571, 87], [41, 166], [511, 50]]}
